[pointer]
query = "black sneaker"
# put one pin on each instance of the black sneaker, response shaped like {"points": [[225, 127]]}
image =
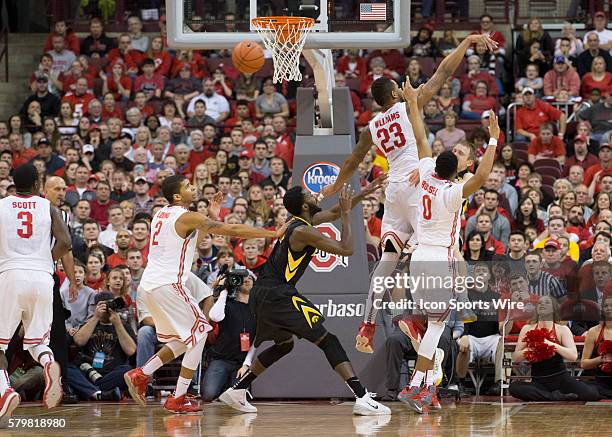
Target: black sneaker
{"points": [[69, 397], [110, 395]]}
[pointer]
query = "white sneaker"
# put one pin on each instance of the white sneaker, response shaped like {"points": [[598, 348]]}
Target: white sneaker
{"points": [[237, 400], [438, 372], [367, 406], [53, 393]]}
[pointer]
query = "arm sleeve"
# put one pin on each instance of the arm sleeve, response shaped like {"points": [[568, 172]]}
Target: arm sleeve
{"points": [[217, 312], [249, 358]]}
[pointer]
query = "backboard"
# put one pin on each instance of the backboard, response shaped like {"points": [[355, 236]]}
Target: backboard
{"points": [[340, 24]]}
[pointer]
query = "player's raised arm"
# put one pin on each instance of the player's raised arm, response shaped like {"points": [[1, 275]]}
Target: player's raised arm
{"points": [[416, 119], [486, 165], [448, 66], [333, 213], [191, 221], [350, 164], [309, 236]]}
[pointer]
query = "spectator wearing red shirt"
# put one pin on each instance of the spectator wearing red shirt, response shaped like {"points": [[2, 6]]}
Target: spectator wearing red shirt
{"points": [[605, 164], [373, 223], [140, 102], [581, 157], [123, 240], [117, 82], [80, 98], [561, 77], [547, 145], [597, 79], [21, 155], [140, 238], [71, 40], [110, 109], [352, 65], [124, 52], [486, 28], [100, 206], [484, 225], [355, 100], [533, 114], [149, 82], [162, 59], [474, 75], [394, 61], [75, 73], [475, 104], [377, 67], [285, 141], [197, 63]]}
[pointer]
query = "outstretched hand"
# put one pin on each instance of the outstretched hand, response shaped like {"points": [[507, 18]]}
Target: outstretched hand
{"points": [[410, 94], [214, 206], [374, 185], [326, 191], [493, 125], [485, 39], [345, 199]]}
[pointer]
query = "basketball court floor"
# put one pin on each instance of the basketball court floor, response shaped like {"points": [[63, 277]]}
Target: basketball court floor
{"points": [[323, 418]]}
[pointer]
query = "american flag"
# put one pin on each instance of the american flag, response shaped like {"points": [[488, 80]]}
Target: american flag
{"points": [[373, 11]]}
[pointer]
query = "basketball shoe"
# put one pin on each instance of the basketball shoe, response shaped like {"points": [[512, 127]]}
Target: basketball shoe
{"points": [[422, 400], [367, 406], [413, 327], [411, 397], [364, 342], [181, 405], [137, 383], [53, 385], [237, 400], [8, 402], [437, 370]]}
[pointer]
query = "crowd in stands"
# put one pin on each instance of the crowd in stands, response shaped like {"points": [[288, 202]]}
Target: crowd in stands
{"points": [[113, 116]]}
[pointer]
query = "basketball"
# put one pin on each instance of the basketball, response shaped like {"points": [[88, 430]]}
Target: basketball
{"points": [[248, 57]]}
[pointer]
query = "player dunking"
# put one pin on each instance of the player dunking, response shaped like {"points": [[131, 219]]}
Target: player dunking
{"points": [[440, 200], [179, 322], [282, 312], [392, 133], [27, 225]]}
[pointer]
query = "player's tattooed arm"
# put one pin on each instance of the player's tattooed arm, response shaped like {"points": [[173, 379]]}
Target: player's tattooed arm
{"points": [[63, 242], [333, 213], [449, 65], [416, 120], [350, 164]]}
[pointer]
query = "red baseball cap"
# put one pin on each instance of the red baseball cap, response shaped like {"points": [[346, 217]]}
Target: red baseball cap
{"points": [[581, 138], [552, 243], [245, 154], [600, 14]]}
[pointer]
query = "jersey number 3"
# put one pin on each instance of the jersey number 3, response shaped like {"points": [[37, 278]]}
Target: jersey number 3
{"points": [[426, 207], [25, 231], [393, 132], [158, 227]]}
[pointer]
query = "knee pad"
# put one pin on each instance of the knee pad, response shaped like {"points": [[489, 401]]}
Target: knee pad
{"points": [[274, 353], [333, 350]]}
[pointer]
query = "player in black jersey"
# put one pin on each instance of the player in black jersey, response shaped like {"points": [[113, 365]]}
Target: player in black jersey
{"points": [[282, 312]]}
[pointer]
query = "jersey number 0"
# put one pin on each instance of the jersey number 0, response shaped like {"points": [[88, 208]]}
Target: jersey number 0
{"points": [[393, 132]]}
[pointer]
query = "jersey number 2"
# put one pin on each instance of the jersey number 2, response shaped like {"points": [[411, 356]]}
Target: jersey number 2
{"points": [[399, 140], [426, 207], [158, 227], [25, 231]]}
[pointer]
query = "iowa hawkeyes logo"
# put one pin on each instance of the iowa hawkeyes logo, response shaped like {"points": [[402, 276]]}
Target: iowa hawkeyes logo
{"points": [[311, 315]]}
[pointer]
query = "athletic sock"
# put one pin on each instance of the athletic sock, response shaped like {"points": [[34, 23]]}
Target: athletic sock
{"points": [[152, 365], [244, 382], [5, 383], [355, 385], [46, 358], [181, 386], [417, 378], [429, 378]]}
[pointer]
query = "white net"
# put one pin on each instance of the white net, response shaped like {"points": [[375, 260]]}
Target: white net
{"points": [[284, 37]]}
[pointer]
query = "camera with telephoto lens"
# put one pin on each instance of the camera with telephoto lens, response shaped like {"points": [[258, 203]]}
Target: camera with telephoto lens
{"points": [[115, 304], [233, 280], [91, 373]]}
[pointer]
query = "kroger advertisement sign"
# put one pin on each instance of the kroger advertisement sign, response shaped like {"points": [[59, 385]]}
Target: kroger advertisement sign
{"points": [[318, 175]]}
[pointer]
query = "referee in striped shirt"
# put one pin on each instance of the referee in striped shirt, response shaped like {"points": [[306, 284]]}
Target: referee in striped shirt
{"points": [[542, 283], [55, 192]]}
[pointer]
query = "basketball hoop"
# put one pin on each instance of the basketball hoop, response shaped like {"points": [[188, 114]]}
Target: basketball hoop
{"points": [[284, 37]]}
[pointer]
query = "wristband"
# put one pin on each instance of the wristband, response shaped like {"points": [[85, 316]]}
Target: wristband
{"points": [[492, 142]]}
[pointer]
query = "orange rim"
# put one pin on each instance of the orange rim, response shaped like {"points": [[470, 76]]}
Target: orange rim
{"points": [[274, 22]]}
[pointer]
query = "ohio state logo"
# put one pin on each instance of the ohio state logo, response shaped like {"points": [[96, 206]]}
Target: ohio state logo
{"points": [[327, 262]]}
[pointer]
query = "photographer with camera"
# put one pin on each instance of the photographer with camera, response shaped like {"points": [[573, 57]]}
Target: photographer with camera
{"points": [[229, 357], [105, 343]]}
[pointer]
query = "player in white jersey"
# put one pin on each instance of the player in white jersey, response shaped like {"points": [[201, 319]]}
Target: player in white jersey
{"points": [[179, 322], [27, 225], [433, 262], [392, 133]]}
